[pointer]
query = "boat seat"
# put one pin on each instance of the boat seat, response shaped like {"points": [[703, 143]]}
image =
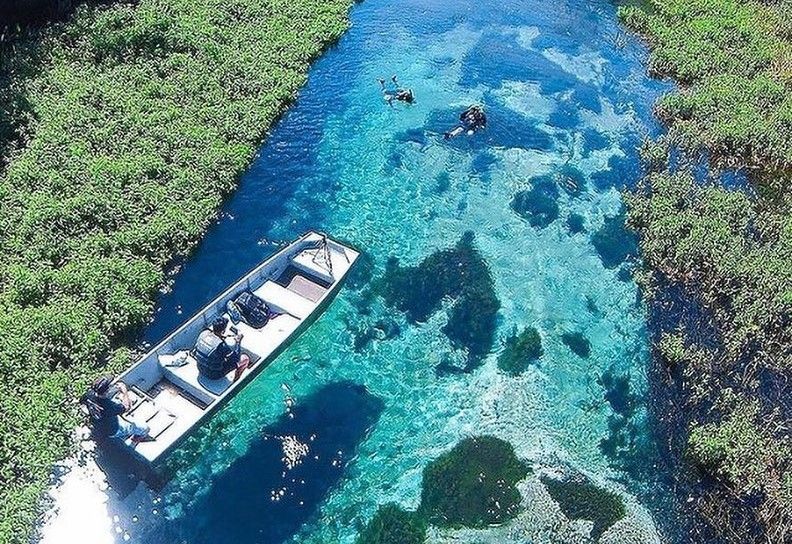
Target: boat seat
{"points": [[204, 389], [282, 300], [186, 378]]}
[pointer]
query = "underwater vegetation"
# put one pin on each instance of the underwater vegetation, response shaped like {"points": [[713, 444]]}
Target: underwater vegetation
{"points": [[579, 498], [578, 343], [623, 443], [473, 485], [460, 273], [576, 223], [521, 351], [728, 249], [393, 525], [613, 242], [537, 205]]}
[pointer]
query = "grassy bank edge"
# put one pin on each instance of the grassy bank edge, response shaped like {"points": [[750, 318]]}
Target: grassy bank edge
{"points": [[49, 417]]}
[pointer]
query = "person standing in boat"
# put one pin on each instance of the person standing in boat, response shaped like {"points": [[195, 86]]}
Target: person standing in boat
{"points": [[106, 402]]}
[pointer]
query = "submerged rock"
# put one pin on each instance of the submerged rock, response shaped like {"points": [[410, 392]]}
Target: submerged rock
{"points": [[579, 498], [521, 351], [473, 485], [537, 205], [393, 525], [459, 273], [578, 343]]}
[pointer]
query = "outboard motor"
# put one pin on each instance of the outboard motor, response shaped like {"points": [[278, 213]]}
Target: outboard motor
{"points": [[210, 352]]}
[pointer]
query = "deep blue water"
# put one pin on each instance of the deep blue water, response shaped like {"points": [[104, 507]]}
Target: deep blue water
{"points": [[567, 99]]}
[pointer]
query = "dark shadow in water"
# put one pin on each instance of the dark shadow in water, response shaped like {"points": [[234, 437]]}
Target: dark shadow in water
{"points": [[239, 507]]}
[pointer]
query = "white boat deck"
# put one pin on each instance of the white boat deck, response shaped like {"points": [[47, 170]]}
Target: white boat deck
{"points": [[172, 400]]}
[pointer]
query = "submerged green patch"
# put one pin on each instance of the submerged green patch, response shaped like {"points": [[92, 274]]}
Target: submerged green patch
{"points": [[579, 498], [614, 242], [392, 525], [460, 273], [537, 205], [521, 351], [473, 485], [578, 343]]}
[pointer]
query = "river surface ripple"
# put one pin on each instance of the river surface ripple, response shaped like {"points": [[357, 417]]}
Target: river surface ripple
{"points": [[567, 98]]}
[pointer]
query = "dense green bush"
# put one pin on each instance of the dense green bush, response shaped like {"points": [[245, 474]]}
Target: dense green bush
{"points": [[735, 57], [392, 525], [579, 498], [726, 252], [473, 485], [136, 121], [521, 351]]}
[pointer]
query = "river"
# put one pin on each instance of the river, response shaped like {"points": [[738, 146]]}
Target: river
{"points": [[568, 99]]}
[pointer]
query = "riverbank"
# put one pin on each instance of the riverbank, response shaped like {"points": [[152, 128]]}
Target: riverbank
{"points": [[131, 123], [713, 220]]}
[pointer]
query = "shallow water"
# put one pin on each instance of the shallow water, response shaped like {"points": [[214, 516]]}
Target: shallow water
{"points": [[566, 96]]}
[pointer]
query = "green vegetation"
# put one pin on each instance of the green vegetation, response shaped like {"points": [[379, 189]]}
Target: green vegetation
{"points": [[131, 123], [392, 525], [579, 498], [578, 343], [460, 273], [473, 485], [538, 205], [521, 351], [613, 242], [727, 252]]}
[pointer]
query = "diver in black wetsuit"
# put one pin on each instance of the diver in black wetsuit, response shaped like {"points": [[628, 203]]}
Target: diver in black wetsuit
{"points": [[471, 120], [393, 92]]}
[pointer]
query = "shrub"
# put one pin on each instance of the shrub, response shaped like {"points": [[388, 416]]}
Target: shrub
{"points": [[130, 122]]}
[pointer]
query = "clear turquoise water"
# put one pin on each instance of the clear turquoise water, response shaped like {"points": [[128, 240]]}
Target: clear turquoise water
{"points": [[564, 88]]}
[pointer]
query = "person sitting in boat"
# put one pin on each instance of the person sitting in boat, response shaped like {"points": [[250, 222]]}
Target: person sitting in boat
{"points": [[106, 402], [219, 352], [393, 92], [471, 120]]}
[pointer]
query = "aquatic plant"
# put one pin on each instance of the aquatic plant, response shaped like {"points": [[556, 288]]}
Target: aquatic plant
{"points": [[521, 351], [537, 205], [578, 343], [726, 249], [571, 179], [614, 242], [393, 525], [459, 273], [473, 485], [579, 498], [134, 120], [576, 223]]}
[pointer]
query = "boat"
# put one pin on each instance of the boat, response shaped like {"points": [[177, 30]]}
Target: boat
{"points": [[166, 390]]}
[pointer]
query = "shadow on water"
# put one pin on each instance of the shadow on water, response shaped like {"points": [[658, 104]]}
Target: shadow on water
{"points": [[258, 498]]}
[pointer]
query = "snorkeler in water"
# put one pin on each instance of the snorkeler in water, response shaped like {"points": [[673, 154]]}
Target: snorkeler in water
{"points": [[391, 91], [470, 120]]}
